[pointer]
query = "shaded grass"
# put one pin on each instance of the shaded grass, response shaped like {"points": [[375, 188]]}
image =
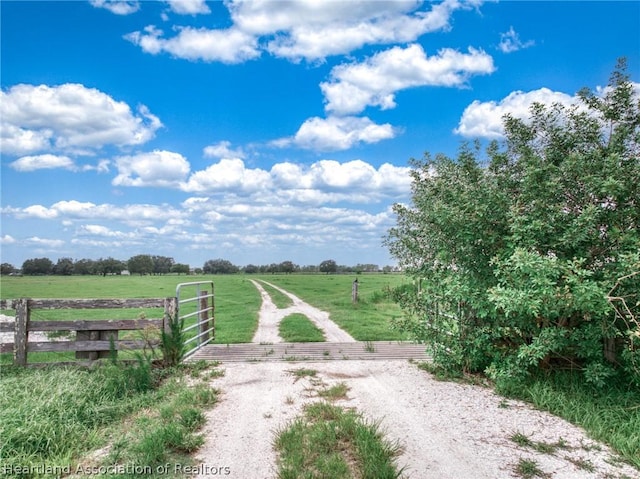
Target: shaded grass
{"points": [[328, 441], [611, 416], [368, 320], [297, 328]]}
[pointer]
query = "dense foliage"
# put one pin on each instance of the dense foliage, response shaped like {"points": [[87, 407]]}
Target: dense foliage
{"points": [[529, 257]]}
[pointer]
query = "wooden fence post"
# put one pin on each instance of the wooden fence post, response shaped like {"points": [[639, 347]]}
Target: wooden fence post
{"points": [[21, 334], [87, 336], [108, 336], [170, 313], [354, 291], [203, 319]]}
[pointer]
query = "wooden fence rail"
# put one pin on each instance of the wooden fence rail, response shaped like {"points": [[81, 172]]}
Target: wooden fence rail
{"points": [[94, 339]]}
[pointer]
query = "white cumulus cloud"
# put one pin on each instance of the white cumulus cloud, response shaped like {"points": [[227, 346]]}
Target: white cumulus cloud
{"points": [[227, 46], [484, 119], [300, 29], [69, 117], [7, 239], [73, 210], [314, 30], [45, 242], [222, 149], [158, 168], [337, 133], [102, 231], [37, 211], [40, 162], [228, 175], [375, 81], [357, 179], [325, 181], [119, 7], [188, 7]]}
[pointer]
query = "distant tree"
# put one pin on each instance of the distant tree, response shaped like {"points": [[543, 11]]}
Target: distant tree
{"points": [[6, 269], [366, 268], [328, 266], [162, 264], [37, 266], [84, 266], [140, 264], [288, 267], [251, 269], [64, 267], [180, 268], [219, 266], [110, 266], [310, 268]]}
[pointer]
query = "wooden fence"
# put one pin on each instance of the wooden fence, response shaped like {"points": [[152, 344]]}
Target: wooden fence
{"points": [[93, 339]]}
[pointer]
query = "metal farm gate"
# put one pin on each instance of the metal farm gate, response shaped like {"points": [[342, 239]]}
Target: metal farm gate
{"points": [[196, 308]]}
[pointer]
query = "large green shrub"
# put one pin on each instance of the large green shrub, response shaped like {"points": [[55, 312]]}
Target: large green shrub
{"points": [[528, 257]]}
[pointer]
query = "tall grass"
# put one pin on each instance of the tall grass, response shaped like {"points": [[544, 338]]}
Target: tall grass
{"points": [[55, 416], [173, 342], [48, 415]]}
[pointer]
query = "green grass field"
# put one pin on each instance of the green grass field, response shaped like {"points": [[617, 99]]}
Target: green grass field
{"points": [[237, 301], [367, 320]]}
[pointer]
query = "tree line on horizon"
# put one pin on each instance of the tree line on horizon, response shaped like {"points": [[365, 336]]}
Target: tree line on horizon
{"points": [[145, 264]]}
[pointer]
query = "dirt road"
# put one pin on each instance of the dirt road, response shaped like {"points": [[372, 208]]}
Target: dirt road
{"points": [[270, 317], [447, 430]]}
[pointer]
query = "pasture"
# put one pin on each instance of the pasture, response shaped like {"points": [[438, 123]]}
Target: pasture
{"points": [[367, 320], [237, 301]]}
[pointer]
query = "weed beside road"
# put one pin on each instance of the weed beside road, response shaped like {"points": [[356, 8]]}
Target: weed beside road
{"points": [[332, 441]]}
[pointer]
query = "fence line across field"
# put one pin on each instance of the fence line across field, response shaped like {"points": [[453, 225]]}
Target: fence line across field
{"points": [[95, 339]]}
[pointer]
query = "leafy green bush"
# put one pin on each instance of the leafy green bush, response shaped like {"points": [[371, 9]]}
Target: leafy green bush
{"points": [[529, 258]]}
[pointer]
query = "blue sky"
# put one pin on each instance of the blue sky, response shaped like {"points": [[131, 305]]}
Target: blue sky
{"points": [[264, 131]]}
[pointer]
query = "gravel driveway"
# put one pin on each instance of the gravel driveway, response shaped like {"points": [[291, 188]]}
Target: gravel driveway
{"points": [[447, 430]]}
